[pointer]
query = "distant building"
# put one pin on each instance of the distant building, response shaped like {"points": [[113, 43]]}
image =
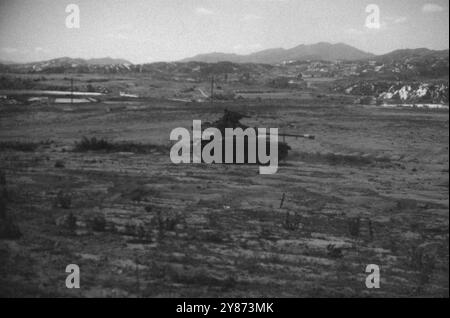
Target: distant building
{"points": [[287, 82]]}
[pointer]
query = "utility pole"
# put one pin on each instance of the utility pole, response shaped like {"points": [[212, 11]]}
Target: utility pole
{"points": [[212, 91], [71, 91]]}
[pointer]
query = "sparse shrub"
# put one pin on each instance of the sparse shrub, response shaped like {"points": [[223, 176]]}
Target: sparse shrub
{"points": [[266, 233], [71, 222], [139, 231], [171, 223], [8, 229], [63, 200], [93, 143], [2, 178], [224, 96], [46, 142], [129, 229], [354, 227], [427, 268], [188, 89], [212, 221], [371, 230], [167, 223], [334, 251], [229, 283], [90, 88], [18, 146], [98, 223], [140, 193], [290, 224], [422, 259], [213, 237], [3, 195], [59, 164], [16, 83], [101, 144], [338, 159], [137, 194], [202, 278], [347, 159], [68, 221]]}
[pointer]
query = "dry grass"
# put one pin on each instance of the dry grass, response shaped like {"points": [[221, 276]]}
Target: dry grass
{"points": [[101, 144]]}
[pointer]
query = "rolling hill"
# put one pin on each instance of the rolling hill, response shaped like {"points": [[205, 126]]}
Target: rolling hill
{"points": [[411, 54], [319, 51], [405, 63]]}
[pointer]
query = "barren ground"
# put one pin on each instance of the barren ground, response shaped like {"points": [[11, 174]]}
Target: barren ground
{"points": [[372, 188]]}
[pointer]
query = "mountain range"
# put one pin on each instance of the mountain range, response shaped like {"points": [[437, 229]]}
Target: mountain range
{"points": [[319, 51], [95, 61], [316, 52], [79, 61]]}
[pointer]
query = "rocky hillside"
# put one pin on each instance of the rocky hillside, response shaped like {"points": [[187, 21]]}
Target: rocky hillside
{"points": [[418, 92]]}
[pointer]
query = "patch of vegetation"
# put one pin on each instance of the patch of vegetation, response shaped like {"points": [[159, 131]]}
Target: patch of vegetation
{"points": [[139, 193], [340, 159], [354, 227], [141, 233], [8, 229], [423, 260], [59, 164], [63, 200], [68, 222], [290, 224], [333, 251], [3, 195], [7, 82], [92, 144], [18, 146], [101, 144], [97, 223], [215, 237], [201, 278], [168, 223]]}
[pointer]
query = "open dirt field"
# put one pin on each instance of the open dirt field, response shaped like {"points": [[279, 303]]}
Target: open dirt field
{"points": [[372, 188]]}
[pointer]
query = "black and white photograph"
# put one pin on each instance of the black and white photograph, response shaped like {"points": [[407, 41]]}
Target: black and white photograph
{"points": [[254, 150]]}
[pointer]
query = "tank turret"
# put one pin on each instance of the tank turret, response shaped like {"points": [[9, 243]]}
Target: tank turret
{"points": [[231, 119]]}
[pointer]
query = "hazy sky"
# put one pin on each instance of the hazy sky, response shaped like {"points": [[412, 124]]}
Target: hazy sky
{"points": [[165, 30]]}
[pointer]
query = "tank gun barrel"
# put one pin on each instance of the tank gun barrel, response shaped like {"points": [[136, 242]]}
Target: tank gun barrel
{"points": [[307, 136]]}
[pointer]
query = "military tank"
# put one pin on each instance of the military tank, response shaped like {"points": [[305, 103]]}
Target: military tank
{"points": [[231, 119]]}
